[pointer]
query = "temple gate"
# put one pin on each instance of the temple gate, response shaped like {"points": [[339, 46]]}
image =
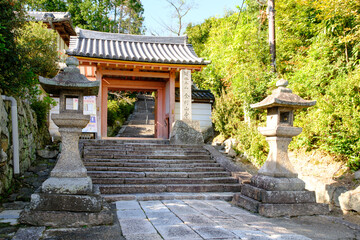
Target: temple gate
{"points": [[135, 63]]}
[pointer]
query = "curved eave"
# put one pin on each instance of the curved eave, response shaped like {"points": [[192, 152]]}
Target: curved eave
{"points": [[275, 102], [175, 65], [54, 87]]}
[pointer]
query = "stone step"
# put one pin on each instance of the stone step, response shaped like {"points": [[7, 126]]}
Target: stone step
{"points": [[119, 156], [246, 202], [118, 174], [144, 169], [164, 180], [146, 147], [102, 152], [154, 188], [226, 196], [110, 142], [150, 161], [151, 165]]}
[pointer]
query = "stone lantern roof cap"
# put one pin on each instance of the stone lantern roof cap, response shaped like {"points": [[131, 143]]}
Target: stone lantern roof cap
{"points": [[70, 79], [283, 97]]}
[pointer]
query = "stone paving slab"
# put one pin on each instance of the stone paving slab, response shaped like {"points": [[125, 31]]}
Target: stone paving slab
{"points": [[127, 205], [136, 226], [181, 231], [196, 219], [214, 232], [217, 219], [130, 214]]}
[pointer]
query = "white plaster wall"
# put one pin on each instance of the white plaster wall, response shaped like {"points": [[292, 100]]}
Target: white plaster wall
{"points": [[200, 112]]}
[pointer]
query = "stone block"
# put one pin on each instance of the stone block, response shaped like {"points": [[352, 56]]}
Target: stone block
{"points": [[67, 185], [350, 200], [278, 196], [278, 184], [186, 132], [66, 202], [30, 233], [357, 174], [66, 219], [246, 202], [46, 153], [300, 209]]}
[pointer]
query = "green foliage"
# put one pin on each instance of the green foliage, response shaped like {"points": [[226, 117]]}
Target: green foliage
{"points": [[119, 109], [11, 73], [121, 16], [318, 44], [37, 46], [42, 109], [26, 51], [229, 120]]}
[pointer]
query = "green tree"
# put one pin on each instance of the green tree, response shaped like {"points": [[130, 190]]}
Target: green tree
{"points": [[28, 50], [121, 16], [318, 45]]}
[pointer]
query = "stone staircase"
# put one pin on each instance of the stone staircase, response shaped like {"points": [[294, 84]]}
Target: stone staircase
{"points": [[153, 169]]}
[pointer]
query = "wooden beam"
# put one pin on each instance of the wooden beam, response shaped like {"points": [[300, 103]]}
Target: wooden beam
{"points": [[148, 65], [135, 74], [130, 84]]}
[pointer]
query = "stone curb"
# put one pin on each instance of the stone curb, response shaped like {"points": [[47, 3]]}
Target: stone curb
{"points": [[235, 170]]}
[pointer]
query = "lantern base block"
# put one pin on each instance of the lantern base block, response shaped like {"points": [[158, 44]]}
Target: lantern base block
{"points": [[276, 197], [68, 185], [66, 210]]}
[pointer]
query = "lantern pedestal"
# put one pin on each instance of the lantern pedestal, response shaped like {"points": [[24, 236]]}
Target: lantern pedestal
{"points": [[67, 198], [276, 191]]}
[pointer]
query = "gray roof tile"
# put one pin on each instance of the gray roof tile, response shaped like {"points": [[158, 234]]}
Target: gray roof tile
{"points": [[138, 48]]}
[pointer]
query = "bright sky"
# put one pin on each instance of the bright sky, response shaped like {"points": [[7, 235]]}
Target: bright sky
{"points": [[158, 12]]}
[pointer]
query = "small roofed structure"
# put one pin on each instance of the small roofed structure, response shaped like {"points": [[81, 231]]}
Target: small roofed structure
{"points": [[59, 21], [70, 79], [124, 62], [283, 97]]}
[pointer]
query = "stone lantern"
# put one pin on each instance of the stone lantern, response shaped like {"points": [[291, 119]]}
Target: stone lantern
{"points": [[279, 129], [276, 190], [67, 198]]}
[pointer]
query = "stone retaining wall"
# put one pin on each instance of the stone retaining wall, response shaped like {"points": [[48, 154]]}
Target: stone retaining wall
{"points": [[30, 139], [326, 191]]}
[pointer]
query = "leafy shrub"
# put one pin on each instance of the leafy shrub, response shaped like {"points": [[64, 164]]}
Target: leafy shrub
{"points": [[42, 109], [119, 109], [318, 46], [229, 120]]}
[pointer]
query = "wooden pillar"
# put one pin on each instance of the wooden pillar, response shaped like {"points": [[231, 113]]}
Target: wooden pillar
{"points": [[98, 103], [165, 123], [104, 97], [185, 95], [172, 99], [160, 113]]}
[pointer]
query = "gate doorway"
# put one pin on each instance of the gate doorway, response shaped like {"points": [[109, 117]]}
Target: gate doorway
{"points": [[141, 122]]}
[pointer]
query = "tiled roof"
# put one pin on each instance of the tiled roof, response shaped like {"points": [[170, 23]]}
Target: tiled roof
{"points": [[140, 48], [43, 16], [60, 21], [204, 96]]}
